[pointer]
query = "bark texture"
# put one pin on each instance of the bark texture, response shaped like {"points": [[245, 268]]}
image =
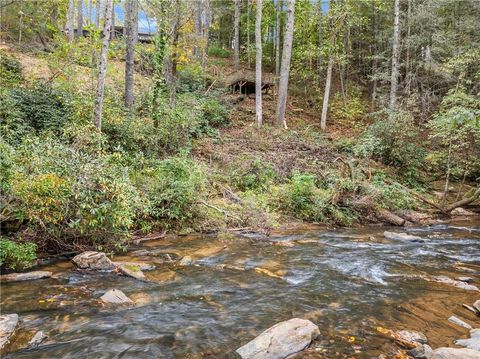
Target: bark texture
{"points": [[71, 20], [395, 56], [131, 34], [102, 71], [80, 18], [236, 41], [326, 95], [258, 65], [285, 67]]}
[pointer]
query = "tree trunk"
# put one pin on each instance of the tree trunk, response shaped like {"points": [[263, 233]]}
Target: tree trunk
{"points": [[248, 33], [102, 71], [278, 10], [80, 18], [206, 21], [131, 32], [326, 95], [197, 27], [174, 55], [395, 56], [97, 13], [71, 20], [236, 40], [285, 68], [258, 65], [112, 30], [90, 10]]}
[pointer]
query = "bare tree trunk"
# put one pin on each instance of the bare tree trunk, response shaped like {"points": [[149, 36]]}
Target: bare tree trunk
{"points": [[71, 20], [80, 18], [278, 10], [285, 68], [395, 56], [258, 65], [197, 27], [112, 35], [236, 40], [206, 21], [326, 95], [102, 71], [375, 59], [174, 55], [90, 10], [131, 33], [97, 13], [248, 33]]}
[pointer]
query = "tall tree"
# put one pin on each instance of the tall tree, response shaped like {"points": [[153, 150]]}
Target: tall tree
{"points": [[248, 33], [278, 9], [326, 94], [206, 22], [131, 33], [80, 18], [197, 27], [97, 13], [236, 41], [112, 30], [102, 71], [258, 65], [285, 67], [395, 55], [71, 20]]}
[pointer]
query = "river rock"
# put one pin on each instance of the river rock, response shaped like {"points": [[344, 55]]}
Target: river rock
{"points": [[473, 342], [141, 265], [17, 277], [462, 212], [422, 351], [93, 261], [403, 237], [453, 353], [455, 283], [132, 271], [476, 305], [453, 319], [115, 296], [8, 323], [281, 340], [185, 261], [37, 339], [465, 279], [410, 338]]}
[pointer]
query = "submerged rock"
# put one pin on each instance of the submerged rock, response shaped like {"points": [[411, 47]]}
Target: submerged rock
{"points": [[267, 272], [473, 342], [93, 261], [115, 296], [281, 340], [132, 271], [455, 283], [410, 338], [403, 237], [37, 339], [185, 261], [141, 265], [465, 279], [453, 319], [17, 277], [453, 353], [8, 323], [422, 351]]}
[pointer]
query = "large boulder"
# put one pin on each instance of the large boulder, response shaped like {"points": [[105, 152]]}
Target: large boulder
{"points": [[115, 296], [281, 340], [132, 271], [473, 342], [8, 323], [410, 338], [453, 353], [396, 236], [93, 261], [422, 351], [18, 277]]}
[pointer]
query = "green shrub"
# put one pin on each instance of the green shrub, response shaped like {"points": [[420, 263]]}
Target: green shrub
{"points": [[393, 141], [455, 128], [215, 114], [64, 192], [218, 51], [350, 111], [16, 255], [10, 70], [391, 196], [41, 108], [257, 176], [172, 188]]}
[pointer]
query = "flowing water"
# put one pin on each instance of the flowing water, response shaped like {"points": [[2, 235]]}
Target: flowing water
{"points": [[347, 281]]}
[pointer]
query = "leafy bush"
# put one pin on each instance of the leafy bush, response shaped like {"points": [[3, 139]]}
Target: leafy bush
{"points": [[10, 70], [172, 188], [218, 51], [64, 192], [16, 255], [258, 176], [455, 127], [393, 141], [215, 114], [40, 108], [350, 111]]}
